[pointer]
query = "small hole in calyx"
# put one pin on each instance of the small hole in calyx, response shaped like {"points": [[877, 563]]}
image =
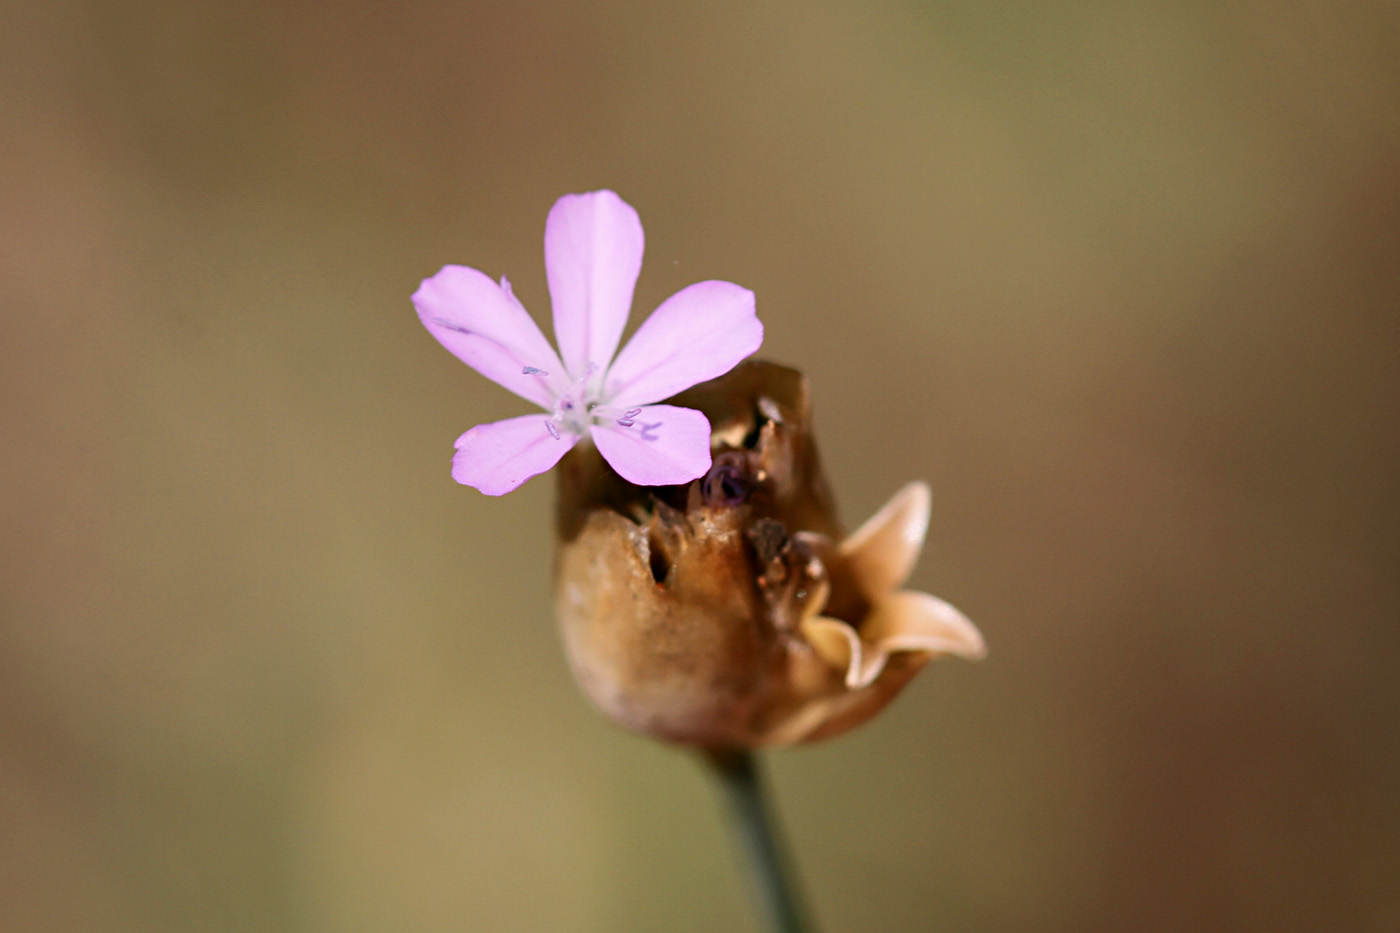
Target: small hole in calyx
{"points": [[658, 560]]}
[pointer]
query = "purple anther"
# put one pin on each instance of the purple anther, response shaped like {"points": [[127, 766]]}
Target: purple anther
{"points": [[553, 431], [725, 484], [443, 322], [629, 417], [533, 371]]}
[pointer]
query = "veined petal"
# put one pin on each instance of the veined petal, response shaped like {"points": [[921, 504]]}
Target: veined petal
{"points": [[497, 457], [913, 621], [882, 552], [665, 446], [700, 332], [486, 328], [592, 256]]}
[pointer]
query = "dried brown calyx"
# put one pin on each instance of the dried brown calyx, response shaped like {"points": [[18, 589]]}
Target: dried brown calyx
{"points": [[731, 612]]}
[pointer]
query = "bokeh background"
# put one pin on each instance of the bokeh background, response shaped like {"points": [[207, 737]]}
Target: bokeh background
{"points": [[1121, 280]]}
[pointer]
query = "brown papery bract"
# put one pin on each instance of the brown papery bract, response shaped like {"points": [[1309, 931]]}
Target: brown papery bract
{"points": [[731, 612]]}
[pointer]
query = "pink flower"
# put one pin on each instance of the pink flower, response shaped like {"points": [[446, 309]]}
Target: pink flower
{"points": [[592, 256]]}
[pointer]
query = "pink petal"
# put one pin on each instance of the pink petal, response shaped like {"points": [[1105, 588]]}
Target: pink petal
{"points": [[499, 456], [486, 328], [592, 256], [700, 332], [665, 446]]}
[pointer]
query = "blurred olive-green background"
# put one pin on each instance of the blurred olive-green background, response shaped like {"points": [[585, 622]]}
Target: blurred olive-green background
{"points": [[1121, 280]]}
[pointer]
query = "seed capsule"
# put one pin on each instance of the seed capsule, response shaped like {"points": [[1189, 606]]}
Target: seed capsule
{"points": [[731, 612]]}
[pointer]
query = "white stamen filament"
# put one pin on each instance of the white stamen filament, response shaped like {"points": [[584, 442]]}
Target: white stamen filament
{"points": [[576, 408]]}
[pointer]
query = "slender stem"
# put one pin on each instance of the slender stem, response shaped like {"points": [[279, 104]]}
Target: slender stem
{"points": [[742, 782]]}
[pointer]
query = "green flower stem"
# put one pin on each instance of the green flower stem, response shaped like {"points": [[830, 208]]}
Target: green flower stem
{"points": [[742, 783]]}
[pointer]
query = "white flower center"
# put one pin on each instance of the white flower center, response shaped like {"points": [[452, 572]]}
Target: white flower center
{"points": [[577, 407]]}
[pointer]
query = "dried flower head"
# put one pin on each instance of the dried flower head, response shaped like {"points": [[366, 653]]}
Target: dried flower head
{"points": [[593, 255], [730, 611]]}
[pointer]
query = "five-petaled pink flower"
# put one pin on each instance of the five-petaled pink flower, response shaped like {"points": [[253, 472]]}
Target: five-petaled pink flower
{"points": [[592, 257]]}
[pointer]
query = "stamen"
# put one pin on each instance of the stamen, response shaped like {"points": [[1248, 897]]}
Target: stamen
{"points": [[532, 371], [553, 430], [629, 417], [451, 325], [725, 484]]}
